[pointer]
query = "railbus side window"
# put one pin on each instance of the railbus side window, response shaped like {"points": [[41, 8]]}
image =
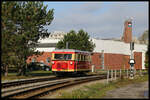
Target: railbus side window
{"points": [[86, 58], [76, 57], [82, 57], [79, 57]]}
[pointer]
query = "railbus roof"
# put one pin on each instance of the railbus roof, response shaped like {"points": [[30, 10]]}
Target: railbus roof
{"points": [[70, 50]]}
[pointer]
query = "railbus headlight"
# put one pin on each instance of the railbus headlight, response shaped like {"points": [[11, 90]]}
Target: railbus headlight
{"points": [[71, 63], [53, 62]]}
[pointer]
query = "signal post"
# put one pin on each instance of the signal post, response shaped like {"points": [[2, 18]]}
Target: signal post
{"points": [[132, 61]]}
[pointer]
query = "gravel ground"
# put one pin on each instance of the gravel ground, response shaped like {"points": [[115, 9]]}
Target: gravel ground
{"points": [[135, 91]]}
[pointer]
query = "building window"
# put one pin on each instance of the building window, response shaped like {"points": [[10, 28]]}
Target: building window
{"points": [[34, 59], [42, 61]]}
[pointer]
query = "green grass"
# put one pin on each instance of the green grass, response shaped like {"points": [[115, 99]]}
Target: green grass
{"points": [[13, 76], [40, 73], [98, 90]]}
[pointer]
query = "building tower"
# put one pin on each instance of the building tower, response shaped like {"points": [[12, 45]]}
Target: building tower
{"points": [[127, 35]]}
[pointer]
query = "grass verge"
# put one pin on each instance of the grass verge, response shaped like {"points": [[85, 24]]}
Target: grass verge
{"points": [[13, 76], [98, 90]]}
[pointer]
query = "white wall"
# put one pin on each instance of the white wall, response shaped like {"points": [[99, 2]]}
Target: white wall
{"points": [[110, 46]]}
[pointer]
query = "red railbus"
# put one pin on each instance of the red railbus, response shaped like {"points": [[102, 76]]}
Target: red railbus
{"points": [[70, 61]]}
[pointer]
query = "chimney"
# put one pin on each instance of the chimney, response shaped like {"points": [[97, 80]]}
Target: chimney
{"points": [[127, 35]]}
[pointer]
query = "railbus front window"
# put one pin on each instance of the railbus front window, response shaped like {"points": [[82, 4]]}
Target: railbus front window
{"points": [[67, 56], [63, 56], [58, 56]]}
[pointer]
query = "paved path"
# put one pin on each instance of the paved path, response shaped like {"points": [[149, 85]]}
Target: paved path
{"points": [[138, 90]]}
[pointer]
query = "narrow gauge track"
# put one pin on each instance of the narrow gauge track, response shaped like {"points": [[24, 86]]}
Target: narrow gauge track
{"points": [[27, 81], [40, 89]]}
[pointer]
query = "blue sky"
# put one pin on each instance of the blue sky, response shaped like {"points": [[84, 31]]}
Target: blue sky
{"points": [[99, 19]]}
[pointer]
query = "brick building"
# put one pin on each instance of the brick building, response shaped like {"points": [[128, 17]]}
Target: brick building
{"points": [[116, 61]]}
